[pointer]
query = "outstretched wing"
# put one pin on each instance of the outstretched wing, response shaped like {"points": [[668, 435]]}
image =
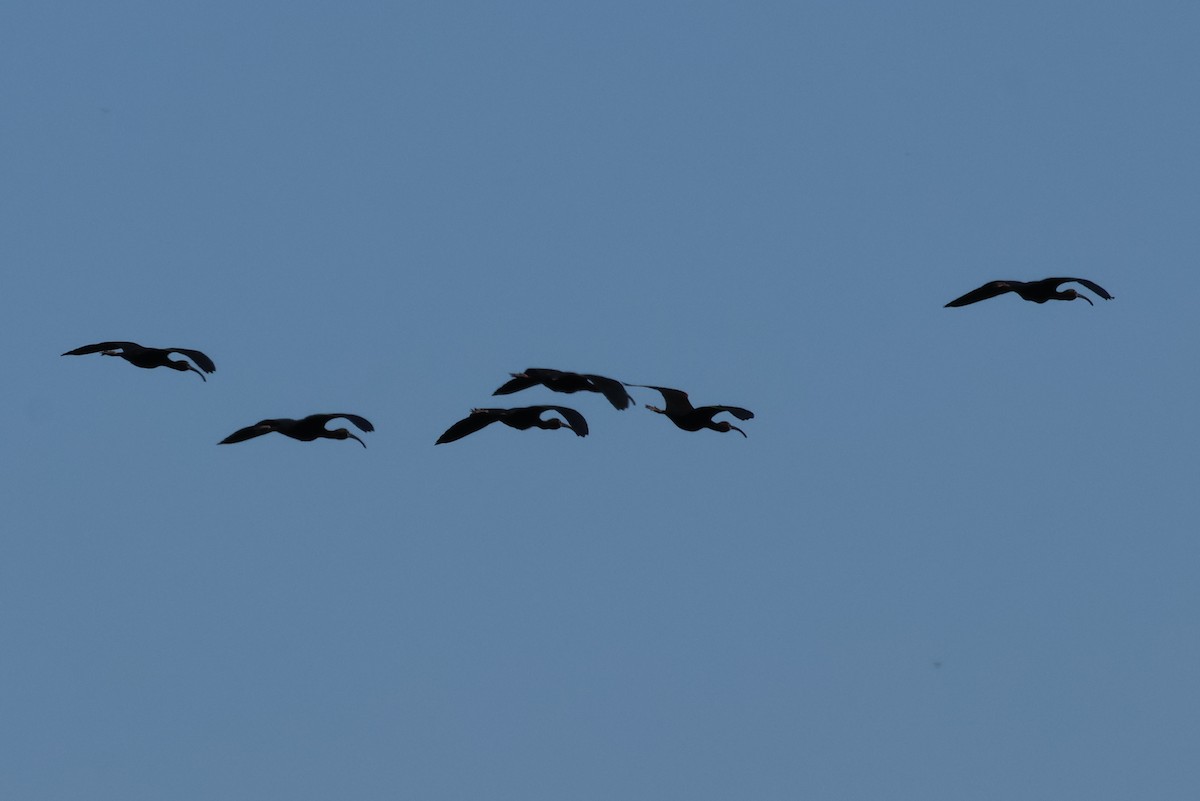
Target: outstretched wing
{"points": [[249, 432], [519, 382], [736, 411], [99, 346], [1092, 285], [988, 290], [479, 418], [322, 419], [206, 364], [574, 419], [676, 399], [612, 389], [543, 374]]}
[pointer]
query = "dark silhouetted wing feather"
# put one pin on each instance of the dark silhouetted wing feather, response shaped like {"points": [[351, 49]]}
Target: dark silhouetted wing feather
{"points": [[676, 399], [99, 346], [518, 383], [363, 423], [206, 364], [736, 411], [574, 419], [612, 389], [988, 290], [479, 418], [1092, 285], [543, 374], [249, 432]]}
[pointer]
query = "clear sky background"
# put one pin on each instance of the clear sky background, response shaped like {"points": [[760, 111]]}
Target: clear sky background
{"points": [[955, 558]]}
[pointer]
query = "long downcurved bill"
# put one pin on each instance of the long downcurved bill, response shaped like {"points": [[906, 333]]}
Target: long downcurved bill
{"points": [[360, 442]]}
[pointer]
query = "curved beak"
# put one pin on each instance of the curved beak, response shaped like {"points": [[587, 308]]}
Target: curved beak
{"points": [[1085, 297], [740, 431], [360, 442], [197, 372]]}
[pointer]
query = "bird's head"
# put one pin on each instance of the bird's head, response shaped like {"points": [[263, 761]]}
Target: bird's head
{"points": [[553, 423], [1073, 295], [655, 409], [725, 427], [342, 433]]}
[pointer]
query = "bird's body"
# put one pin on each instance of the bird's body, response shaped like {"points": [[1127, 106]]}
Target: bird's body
{"points": [[1036, 291], [562, 381], [521, 418], [682, 413], [148, 358], [306, 429]]}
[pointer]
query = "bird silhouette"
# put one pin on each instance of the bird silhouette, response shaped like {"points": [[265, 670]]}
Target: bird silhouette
{"points": [[1036, 291], [521, 418], [682, 413], [306, 429], [148, 358], [561, 381]]}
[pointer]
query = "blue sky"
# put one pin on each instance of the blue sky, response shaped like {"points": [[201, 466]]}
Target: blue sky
{"points": [[955, 557]]}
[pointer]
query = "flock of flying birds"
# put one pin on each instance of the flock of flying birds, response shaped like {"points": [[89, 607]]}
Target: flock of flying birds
{"points": [[678, 409]]}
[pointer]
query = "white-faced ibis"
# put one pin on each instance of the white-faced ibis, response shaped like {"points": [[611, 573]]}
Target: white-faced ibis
{"points": [[1037, 291], [521, 418], [305, 429], [682, 413], [140, 356], [561, 381]]}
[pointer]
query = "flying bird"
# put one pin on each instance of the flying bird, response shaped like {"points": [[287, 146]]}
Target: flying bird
{"points": [[521, 418], [1037, 291], [305, 429], [561, 381], [140, 356], [682, 413]]}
